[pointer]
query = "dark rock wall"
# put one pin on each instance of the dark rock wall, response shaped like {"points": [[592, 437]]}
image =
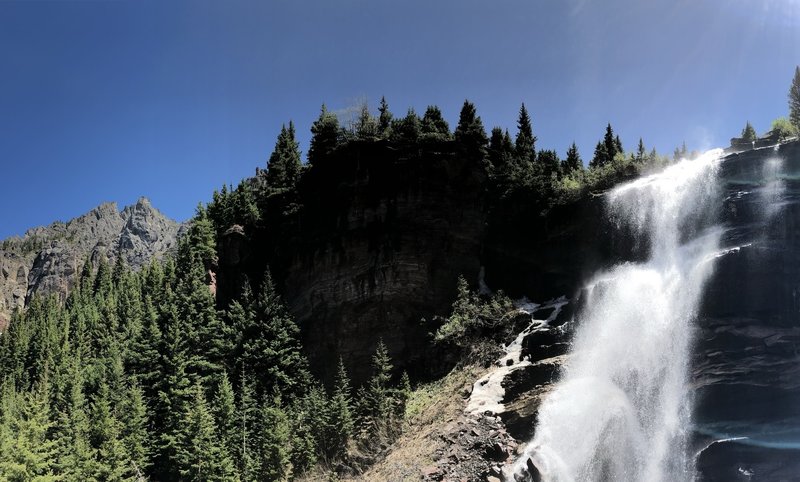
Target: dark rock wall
{"points": [[747, 358], [375, 245]]}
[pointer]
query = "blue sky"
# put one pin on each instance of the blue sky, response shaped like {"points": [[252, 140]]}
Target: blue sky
{"points": [[112, 100]]}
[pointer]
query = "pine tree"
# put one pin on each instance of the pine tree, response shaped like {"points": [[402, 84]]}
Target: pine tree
{"points": [[501, 149], [247, 436], [407, 129], [470, 134], [173, 387], [199, 456], [402, 395], [224, 408], [680, 152], [611, 144], [199, 241], [102, 280], [268, 345], [367, 127], [284, 166], [135, 436], [325, 136], [27, 454], [749, 133], [76, 457], [273, 451], [548, 164], [219, 209], [384, 119], [573, 162], [600, 158], [641, 152], [794, 99], [309, 421], [209, 340], [112, 462], [378, 389], [341, 426], [525, 145], [433, 126], [86, 277], [243, 203]]}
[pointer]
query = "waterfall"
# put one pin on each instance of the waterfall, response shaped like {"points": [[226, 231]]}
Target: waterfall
{"points": [[621, 410]]}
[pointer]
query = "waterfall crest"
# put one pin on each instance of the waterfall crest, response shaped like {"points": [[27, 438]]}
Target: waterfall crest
{"points": [[621, 410]]}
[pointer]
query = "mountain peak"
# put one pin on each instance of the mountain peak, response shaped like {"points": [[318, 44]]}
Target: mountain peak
{"points": [[47, 259]]}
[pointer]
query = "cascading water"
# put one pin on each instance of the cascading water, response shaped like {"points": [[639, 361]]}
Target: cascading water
{"points": [[622, 407]]}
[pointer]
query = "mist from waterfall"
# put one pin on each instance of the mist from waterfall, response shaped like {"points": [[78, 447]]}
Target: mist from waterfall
{"points": [[621, 410]]}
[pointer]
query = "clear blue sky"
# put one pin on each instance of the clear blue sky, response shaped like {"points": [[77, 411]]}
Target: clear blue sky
{"points": [[111, 100]]}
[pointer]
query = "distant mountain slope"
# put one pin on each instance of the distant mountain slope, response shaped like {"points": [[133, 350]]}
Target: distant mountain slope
{"points": [[47, 259]]}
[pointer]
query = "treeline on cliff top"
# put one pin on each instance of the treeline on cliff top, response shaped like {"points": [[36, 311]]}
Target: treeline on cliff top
{"points": [[514, 167]]}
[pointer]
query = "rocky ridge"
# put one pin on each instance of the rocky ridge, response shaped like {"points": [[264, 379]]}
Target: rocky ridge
{"points": [[48, 259]]}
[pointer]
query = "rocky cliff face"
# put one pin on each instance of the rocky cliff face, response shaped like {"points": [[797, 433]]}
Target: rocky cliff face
{"points": [[48, 259], [376, 245], [746, 368]]}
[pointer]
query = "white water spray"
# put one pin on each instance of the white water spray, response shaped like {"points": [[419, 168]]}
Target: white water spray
{"points": [[621, 410]]}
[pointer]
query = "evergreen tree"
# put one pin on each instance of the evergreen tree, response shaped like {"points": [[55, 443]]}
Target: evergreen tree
{"points": [[135, 435], [609, 142], [470, 134], [407, 130], [268, 345], [601, 157], [573, 161], [119, 271], [309, 417], [402, 395], [87, 276], [102, 280], [199, 455], [112, 462], [283, 169], [27, 454], [525, 145], [501, 150], [247, 436], [341, 426], [76, 457], [378, 389], [209, 340], [384, 119], [548, 164], [173, 387], [243, 204], [641, 152], [199, 241], [219, 209], [224, 408], [433, 126], [325, 136], [367, 127], [680, 152], [749, 133], [273, 454], [794, 99]]}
